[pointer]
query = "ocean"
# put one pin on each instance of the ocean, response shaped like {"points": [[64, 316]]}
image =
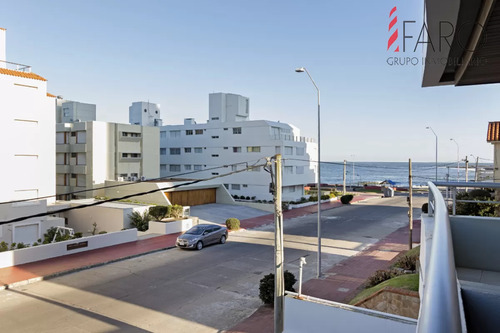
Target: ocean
{"points": [[374, 172]]}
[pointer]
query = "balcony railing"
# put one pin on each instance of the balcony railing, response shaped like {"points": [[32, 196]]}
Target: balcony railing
{"points": [[290, 137], [15, 66], [440, 305]]}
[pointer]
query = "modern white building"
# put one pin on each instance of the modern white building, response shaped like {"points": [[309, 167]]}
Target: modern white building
{"points": [[229, 141], [72, 112], [144, 114], [27, 129], [89, 153]]}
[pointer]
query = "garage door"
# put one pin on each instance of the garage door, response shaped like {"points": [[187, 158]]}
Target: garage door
{"points": [[192, 197]]}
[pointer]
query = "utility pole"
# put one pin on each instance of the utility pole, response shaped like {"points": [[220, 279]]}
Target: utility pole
{"points": [[466, 169], [410, 203], [345, 175], [279, 279]]}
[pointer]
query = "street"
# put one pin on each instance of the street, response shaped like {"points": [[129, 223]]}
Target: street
{"points": [[195, 291]]}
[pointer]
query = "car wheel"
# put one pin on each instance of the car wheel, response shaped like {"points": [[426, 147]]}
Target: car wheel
{"points": [[199, 246], [223, 239]]}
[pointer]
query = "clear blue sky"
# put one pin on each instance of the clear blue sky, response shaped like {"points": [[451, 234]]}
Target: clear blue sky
{"points": [[112, 53]]}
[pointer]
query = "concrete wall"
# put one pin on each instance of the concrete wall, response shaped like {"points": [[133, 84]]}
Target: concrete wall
{"points": [[473, 238], [108, 218], [325, 316], [400, 302], [42, 252], [165, 228]]}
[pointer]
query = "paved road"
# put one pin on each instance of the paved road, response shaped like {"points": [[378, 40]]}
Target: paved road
{"points": [[189, 291]]}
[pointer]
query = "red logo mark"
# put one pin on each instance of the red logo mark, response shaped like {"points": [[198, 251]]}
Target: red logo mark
{"points": [[394, 34]]}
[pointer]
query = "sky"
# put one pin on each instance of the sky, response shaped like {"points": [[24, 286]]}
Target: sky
{"points": [[113, 53]]}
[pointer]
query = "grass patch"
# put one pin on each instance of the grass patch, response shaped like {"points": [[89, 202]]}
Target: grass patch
{"points": [[407, 281]]}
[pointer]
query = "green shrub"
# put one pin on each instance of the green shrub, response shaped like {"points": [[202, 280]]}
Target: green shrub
{"points": [[313, 198], [325, 197], [102, 232], [233, 223], [140, 221], [13, 246], [334, 193], [4, 246], [35, 244], [160, 212], [21, 245], [476, 209], [266, 286], [381, 276], [49, 236], [176, 211], [407, 262], [285, 206], [346, 199], [78, 235]]}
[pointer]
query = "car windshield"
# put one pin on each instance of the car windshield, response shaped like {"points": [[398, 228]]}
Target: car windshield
{"points": [[195, 230]]}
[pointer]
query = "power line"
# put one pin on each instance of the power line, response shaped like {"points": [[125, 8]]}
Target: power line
{"points": [[134, 182], [62, 210]]}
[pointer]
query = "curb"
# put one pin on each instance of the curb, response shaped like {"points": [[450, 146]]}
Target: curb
{"points": [[77, 269]]}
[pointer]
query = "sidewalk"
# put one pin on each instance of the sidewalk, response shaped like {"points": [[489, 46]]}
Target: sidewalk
{"points": [[342, 282]]}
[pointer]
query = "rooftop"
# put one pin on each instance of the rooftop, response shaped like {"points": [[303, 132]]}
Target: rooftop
{"points": [[26, 75]]}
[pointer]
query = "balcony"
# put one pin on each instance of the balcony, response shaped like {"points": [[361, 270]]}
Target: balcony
{"points": [[62, 168], [78, 169], [460, 269], [290, 137]]}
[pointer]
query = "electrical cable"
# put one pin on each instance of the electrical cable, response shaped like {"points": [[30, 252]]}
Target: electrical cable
{"points": [[62, 210]]}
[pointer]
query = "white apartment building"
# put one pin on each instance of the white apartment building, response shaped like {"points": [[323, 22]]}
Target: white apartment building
{"points": [[73, 112], [89, 153], [27, 129], [144, 114], [193, 150]]}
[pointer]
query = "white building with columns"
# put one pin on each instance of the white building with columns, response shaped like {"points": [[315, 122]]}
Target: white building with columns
{"points": [[27, 129], [229, 137]]}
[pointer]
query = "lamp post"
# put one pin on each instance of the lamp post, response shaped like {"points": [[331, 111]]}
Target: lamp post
{"points": [[428, 127], [302, 70], [458, 159]]}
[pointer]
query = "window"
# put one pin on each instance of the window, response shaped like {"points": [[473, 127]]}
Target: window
{"points": [[175, 134], [215, 136], [134, 174], [226, 148], [225, 129], [163, 167], [135, 155], [124, 134], [236, 130], [245, 185], [255, 169], [163, 151], [197, 167], [198, 131], [189, 132], [288, 150], [299, 170], [215, 173], [187, 167], [73, 154], [235, 187], [124, 175], [299, 151], [73, 133], [175, 151], [198, 150], [73, 175], [236, 149], [187, 150], [175, 168], [124, 155], [288, 170], [163, 134], [215, 155], [253, 149]]}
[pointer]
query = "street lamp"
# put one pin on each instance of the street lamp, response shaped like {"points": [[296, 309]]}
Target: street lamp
{"points": [[428, 127], [302, 70], [458, 160]]}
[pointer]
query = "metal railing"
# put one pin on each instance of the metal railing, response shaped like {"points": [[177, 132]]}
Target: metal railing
{"points": [[451, 192], [440, 309], [15, 66]]}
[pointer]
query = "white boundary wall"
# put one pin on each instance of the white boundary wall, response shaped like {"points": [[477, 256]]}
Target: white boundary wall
{"points": [[47, 251]]}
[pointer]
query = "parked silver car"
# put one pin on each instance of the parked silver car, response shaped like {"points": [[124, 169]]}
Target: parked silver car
{"points": [[202, 235]]}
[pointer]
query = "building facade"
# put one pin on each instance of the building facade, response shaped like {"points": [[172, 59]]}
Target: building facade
{"points": [[72, 112], [89, 153], [144, 114], [229, 142], [28, 151]]}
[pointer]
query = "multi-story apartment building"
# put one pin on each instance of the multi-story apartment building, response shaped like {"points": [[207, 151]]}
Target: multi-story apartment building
{"points": [[88, 153], [144, 114], [193, 150], [72, 112], [28, 150]]}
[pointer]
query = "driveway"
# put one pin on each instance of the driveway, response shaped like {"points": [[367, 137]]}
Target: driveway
{"points": [[219, 213]]}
